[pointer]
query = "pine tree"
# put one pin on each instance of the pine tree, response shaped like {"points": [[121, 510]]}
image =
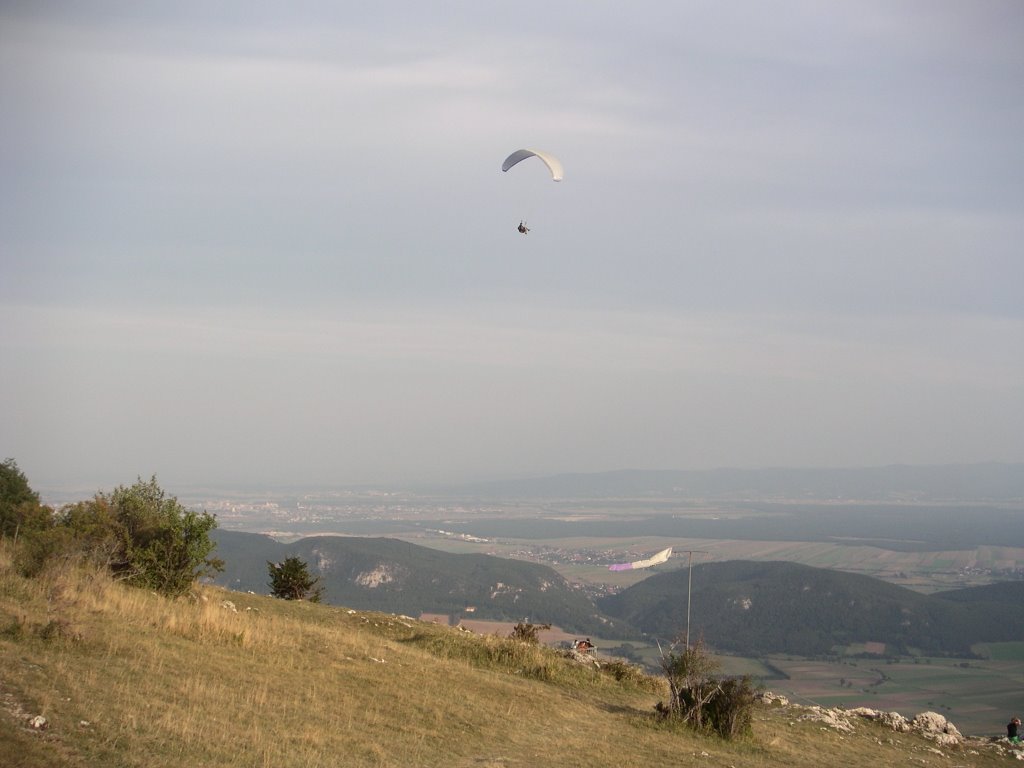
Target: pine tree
{"points": [[290, 580]]}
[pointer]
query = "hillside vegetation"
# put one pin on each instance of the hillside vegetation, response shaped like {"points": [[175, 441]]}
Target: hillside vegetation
{"points": [[392, 575], [750, 608], [757, 608], [125, 677]]}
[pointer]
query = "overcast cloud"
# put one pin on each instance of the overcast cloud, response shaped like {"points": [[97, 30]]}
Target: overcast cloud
{"points": [[245, 243]]}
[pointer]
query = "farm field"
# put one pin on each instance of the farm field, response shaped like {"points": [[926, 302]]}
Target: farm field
{"points": [[576, 557], [921, 571], [979, 696]]}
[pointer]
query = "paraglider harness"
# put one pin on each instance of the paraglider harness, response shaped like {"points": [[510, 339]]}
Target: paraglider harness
{"points": [[523, 229]]}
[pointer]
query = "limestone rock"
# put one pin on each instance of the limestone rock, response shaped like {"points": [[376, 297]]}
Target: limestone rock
{"points": [[932, 725], [833, 718], [769, 698], [893, 720]]}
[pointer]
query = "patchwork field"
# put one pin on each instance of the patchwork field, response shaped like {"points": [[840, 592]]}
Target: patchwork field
{"points": [[921, 571], [978, 696]]}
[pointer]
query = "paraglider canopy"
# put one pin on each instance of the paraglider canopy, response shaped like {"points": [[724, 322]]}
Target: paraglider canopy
{"points": [[660, 557], [552, 162]]}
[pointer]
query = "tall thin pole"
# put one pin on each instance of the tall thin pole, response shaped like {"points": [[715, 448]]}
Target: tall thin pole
{"points": [[689, 584]]}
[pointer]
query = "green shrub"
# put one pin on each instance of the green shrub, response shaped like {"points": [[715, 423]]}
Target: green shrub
{"points": [[528, 633], [730, 711], [138, 533], [699, 698], [20, 510], [624, 672]]}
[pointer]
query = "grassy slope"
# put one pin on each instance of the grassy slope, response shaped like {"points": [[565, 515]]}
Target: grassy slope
{"points": [[130, 679]]}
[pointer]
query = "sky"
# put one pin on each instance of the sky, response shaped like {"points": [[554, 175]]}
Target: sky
{"points": [[271, 243]]}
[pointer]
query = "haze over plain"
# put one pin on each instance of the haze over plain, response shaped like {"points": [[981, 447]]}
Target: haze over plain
{"points": [[245, 244]]}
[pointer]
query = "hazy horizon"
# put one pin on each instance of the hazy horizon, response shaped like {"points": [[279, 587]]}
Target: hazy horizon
{"points": [[245, 245]]}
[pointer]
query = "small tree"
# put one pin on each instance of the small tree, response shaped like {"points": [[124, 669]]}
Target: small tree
{"points": [[290, 580]]}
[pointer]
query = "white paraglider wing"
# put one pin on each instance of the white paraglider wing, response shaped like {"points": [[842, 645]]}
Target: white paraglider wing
{"points": [[553, 163], [660, 557]]}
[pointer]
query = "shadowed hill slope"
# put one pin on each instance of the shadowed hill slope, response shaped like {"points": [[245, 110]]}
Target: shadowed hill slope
{"points": [[759, 608], [1007, 595], [396, 576]]}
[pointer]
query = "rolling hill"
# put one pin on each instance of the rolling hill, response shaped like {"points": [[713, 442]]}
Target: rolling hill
{"points": [[749, 608], [760, 608], [398, 577]]}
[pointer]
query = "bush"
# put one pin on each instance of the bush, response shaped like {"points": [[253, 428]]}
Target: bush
{"points": [[138, 533], [730, 711], [165, 546], [624, 672], [20, 510], [703, 701], [528, 633]]}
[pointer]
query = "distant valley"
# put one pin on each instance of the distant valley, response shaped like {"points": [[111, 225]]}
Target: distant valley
{"points": [[740, 607]]}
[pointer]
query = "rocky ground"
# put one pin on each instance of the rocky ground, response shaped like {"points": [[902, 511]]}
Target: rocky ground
{"points": [[944, 736]]}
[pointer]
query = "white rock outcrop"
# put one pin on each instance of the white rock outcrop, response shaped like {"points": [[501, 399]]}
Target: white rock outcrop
{"points": [[931, 725]]}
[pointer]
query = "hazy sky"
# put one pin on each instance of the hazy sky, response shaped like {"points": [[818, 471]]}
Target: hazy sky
{"points": [[272, 243]]}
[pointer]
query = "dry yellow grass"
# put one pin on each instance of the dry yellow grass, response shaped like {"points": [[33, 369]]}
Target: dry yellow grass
{"points": [[128, 678]]}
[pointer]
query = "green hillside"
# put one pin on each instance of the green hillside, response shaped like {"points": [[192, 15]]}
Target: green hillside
{"points": [[398, 577], [774, 607]]}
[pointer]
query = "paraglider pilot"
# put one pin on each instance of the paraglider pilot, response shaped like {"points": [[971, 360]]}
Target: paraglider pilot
{"points": [[523, 228]]}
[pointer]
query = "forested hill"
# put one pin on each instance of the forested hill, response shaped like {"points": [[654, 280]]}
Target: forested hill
{"points": [[743, 607], [398, 577], [758, 608], [1009, 595]]}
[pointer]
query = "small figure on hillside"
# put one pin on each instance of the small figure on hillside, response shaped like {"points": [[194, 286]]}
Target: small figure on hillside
{"points": [[1012, 729], [583, 646]]}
